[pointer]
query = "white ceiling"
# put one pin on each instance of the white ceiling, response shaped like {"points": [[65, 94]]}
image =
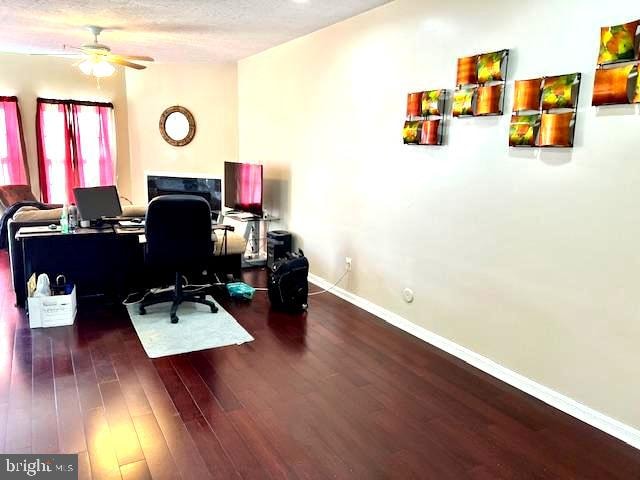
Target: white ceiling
{"points": [[169, 30]]}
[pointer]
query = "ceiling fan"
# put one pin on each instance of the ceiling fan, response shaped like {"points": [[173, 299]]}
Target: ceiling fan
{"points": [[96, 58]]}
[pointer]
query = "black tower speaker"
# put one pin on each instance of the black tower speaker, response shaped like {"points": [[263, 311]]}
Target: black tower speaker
{"points": [[278, 245]]}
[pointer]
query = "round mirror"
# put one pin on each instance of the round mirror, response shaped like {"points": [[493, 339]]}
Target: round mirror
{"points": [[177, 126]]}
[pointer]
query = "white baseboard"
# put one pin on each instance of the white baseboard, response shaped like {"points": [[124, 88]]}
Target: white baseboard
{"points": [[576, 409]]}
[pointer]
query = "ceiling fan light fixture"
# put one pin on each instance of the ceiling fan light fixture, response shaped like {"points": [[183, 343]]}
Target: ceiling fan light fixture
{"points": [[98, 67], [86, 66], [103, 69]]}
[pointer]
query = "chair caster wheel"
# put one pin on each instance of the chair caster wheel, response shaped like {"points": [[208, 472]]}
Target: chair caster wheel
{"points": [[142, 311], [174, 319]]}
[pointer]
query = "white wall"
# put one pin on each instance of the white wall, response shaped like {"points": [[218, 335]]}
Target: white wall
{"points": [[530, 258], [29, 77], [209, 92]]}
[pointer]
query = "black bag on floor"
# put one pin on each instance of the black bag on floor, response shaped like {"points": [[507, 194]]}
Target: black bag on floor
{"points": [[288, 287]]}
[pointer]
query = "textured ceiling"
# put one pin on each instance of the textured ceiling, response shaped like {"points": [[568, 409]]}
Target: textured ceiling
{"points": [[169, 30]]}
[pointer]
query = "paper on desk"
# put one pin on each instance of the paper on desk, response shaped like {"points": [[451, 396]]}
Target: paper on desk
{"points": [[130, 224]]}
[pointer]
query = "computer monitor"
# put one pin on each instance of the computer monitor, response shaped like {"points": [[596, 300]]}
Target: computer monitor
{"points": [[243, 187], [207, 188], [96, 203]]}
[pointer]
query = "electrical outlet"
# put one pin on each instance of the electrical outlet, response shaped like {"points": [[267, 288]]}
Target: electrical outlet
{"points": [[347, 262], [408, 295]]}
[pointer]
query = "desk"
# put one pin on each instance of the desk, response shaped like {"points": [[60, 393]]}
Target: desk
{"points": [[97, 261], [107, 261], [257, 254]]}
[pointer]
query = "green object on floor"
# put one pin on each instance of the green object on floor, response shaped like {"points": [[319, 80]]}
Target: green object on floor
{"points": [[240, 290]]}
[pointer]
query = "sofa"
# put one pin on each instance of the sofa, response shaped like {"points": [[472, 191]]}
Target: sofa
{"points": [[11, 194], [228, 249]]}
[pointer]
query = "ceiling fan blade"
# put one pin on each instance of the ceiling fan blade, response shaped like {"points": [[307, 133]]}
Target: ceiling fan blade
{"points": [[142, 58], [120, 61], [94, 51], [63, 55]]}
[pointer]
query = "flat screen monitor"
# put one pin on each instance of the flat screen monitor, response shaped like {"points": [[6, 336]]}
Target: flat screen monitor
{"points": [[243, 187], [95, 203], [207, 188]]}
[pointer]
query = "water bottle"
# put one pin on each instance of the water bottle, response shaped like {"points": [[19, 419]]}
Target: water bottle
{"points": [[73, 218], [64, 219]]}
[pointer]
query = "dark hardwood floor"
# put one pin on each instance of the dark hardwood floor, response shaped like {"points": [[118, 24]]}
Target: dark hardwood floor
{"points": [[333, 394]]}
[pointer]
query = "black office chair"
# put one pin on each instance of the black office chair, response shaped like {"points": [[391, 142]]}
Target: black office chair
{"points": [[178, 231]]}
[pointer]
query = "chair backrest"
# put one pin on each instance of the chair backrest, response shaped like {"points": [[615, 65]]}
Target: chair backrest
{"points": [[178, 231]]}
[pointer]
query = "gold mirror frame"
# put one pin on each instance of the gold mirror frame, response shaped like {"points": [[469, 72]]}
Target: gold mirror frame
{"points": [[192, 126]]}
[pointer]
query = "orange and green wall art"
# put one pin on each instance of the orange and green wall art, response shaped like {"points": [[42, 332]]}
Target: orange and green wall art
{"points": [[616, 86], [556, 129], [432, 102], [560, 91], [492, 67], [619, 43], [527, 95], [463, 102], [467, 71], [410, 131], [480, 84], [524, 130], [544, 111], [425, 118]]}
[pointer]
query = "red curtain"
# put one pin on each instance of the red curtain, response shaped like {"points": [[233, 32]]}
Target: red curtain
{"points": [[75, 147], [13, 160]]}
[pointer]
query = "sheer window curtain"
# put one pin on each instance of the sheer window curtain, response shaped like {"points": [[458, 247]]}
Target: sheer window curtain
{"points": [[76, 147], [13, 160]]}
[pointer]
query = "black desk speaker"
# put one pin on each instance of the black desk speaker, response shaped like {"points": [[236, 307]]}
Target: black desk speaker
{"points": [[278, 245]]}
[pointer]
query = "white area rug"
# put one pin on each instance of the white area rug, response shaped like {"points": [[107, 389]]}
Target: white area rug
{"points": [[198, 329]]}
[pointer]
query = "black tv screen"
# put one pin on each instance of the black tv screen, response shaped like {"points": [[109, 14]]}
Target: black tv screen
{"points": [[207, 188], [243, 187]]}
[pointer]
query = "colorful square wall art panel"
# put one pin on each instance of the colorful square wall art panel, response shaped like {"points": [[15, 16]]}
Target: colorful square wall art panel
{"points": [[463, 102], [560, 91], [489, 100], [432, 102], [527, 95], [480, 84], [411, 132], [467, 71], [556, 129], [636, 96], [615, 86], [524, 130], [425, 120], [430, 133], [492, 66], [619, 43], [550, 98], [414, 104]]}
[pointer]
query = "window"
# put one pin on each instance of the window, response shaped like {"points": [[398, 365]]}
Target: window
{"points": [[75, 147], [13, 170]]}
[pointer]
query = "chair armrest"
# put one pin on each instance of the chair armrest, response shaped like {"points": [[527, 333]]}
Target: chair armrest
{"points": [[220, 226]]}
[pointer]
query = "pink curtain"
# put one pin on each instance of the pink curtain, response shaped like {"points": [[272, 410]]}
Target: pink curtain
{"points": [[108, 164], [13, 162], [75, 147], [55, 165], [92, 140]]}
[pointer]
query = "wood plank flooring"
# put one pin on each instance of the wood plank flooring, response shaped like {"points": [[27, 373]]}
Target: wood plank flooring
{"points": [[333, 394]]}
